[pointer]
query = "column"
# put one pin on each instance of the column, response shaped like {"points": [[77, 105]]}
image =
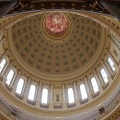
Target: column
{"points": [[99, 81], [88, 88], [64, 100], [51, 97], [15, 82], [64, 106], [26, 91], [38, 97], [76, 94]]}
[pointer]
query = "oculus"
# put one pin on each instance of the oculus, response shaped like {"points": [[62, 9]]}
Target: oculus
{"points": [[56, 25]]}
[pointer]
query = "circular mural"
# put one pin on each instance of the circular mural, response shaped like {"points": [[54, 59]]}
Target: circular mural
{"points": [[56, 26], [56, 23]]}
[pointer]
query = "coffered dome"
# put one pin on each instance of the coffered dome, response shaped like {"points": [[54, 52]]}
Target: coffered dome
{"points": [[59, 65], [53, 52]]}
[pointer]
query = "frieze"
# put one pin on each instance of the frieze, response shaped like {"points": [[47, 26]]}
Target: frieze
{"points": [[84, 5]]}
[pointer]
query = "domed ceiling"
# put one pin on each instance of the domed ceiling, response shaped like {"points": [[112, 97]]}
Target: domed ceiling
{"points": [[56, 43]]}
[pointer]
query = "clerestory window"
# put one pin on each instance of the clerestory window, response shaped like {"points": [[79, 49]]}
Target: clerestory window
{"points": [[111, 64], [20, 86], [104, 75], [2, 64], [31, 95], [70, 95], [44, 98], [83, 91], [94, 85]]}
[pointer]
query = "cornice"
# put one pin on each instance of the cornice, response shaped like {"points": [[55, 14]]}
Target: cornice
{"points": [[112, 113], [83, 5], [5, 115]]}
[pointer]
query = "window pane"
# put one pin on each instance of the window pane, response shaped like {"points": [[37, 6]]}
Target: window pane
{"points": [[94, 85], [44, 99], [10, 77], [2, 64], [111, 64], [104, 75], [83, 91], [70, 96], [20, 86], [31, 92]]}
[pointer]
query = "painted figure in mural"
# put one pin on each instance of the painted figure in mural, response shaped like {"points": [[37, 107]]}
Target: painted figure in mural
{"points": [[56, 23]]}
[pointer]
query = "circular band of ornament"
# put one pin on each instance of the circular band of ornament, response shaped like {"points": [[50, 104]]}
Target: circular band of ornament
{"points": [[56, 25]]}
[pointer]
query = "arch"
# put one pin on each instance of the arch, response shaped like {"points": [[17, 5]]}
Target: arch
{"points": [[10, 76], [111, 64], [71, 98], [83, 92], [104, 75], [44, 99], [20, 86], [94, 85], [32, 91]]}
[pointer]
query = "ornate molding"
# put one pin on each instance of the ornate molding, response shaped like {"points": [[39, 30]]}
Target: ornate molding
{"points": [[5, 115], [114, 115], [84, 5]]}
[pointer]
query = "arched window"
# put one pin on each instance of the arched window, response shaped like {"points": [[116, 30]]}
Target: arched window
{"points": [[20, 86], [83, 91], [110, 62], [2, 64], [70, 96], [94, 85], [10, 77], [104, 75], [31, 95], [44, 99]]}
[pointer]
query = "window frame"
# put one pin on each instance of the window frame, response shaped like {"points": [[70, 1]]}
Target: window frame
{"points": [[45, 105], [12, 80], [94, 94], [5, 66], [105, 83], [104, 86], [23, 88], [82, 101], [81, 92], [70, 104], [35, 95], [110, 67]]}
